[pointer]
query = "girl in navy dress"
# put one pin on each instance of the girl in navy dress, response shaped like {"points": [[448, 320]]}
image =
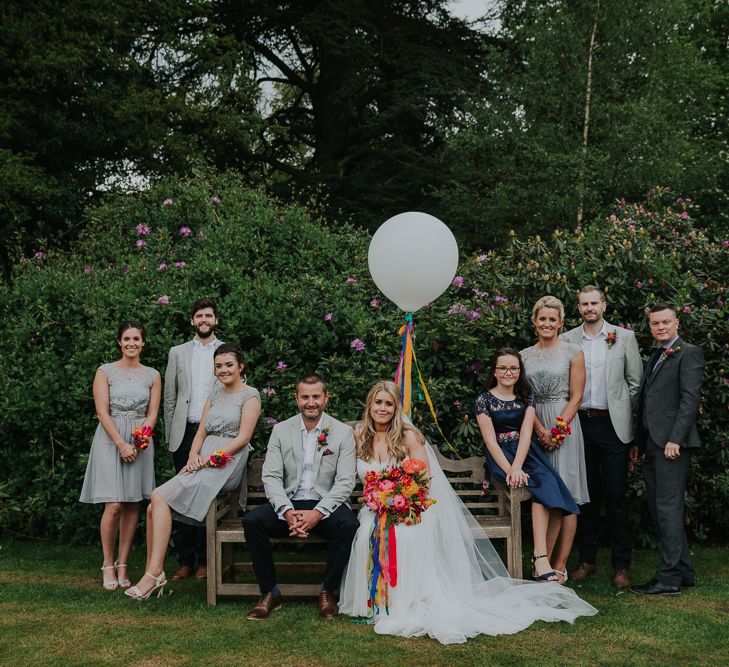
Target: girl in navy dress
{"points": [[505, 415]]}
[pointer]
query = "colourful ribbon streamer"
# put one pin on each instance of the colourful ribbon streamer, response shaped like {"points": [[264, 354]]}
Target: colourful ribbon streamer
{"points": [[403, 375]]}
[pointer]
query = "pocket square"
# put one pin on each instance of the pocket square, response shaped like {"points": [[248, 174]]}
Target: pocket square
{"points": [[327, 452]]}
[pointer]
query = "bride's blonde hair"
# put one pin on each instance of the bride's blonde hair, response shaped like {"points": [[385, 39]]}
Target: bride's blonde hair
{"points": [[396, 429]]}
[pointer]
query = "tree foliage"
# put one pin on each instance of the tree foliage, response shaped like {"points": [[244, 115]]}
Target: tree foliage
{"points": [[296, 295], [657, 114]]}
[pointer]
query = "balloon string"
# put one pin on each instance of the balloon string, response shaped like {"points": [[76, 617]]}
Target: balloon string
{"points": [[403, 376]]}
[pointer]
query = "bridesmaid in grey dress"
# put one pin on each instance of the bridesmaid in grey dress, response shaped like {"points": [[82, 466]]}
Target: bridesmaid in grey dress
{"points": [[127, 395], [228, 419], [556, 371]]}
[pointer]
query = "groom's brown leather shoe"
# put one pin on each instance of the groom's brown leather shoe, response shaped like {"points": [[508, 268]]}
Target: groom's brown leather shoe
{"points": [[582, 571], [327, 605], [268, 603]]}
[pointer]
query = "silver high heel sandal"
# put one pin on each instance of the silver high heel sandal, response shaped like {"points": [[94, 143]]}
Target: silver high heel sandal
{"points": [[124, 581], [109, 584], [160, 583]]}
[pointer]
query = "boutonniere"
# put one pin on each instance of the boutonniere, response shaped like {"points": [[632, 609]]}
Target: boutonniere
{"points": [[321, 441], [670, 351], [612, 337]]}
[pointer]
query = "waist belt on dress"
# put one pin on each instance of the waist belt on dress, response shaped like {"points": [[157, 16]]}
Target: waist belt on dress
{"points": [[220, 434], [129, 414], [550, 399], [509, 436]]}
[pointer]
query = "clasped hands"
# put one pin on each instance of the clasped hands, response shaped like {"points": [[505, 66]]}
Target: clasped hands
{"points": [[302, 521], [127, 453], [517, 478], [194, 462]]}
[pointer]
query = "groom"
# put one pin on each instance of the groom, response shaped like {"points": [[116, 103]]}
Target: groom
{"points": [[308, 474]]}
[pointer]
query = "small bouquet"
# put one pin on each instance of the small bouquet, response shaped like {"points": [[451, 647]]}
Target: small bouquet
{"points": [[612, 338], [559, 432], [397, 494], [141, 436], [218, 459]]}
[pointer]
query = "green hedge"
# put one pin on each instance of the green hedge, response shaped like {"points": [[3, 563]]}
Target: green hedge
{"points": [[295, 290]]}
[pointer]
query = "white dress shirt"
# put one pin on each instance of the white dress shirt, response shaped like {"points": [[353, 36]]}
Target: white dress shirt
{"points": [[202, 368], [306, 490], [595, 350]]}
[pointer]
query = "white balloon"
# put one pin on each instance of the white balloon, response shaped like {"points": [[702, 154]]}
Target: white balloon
{"points": [[413, 258]]}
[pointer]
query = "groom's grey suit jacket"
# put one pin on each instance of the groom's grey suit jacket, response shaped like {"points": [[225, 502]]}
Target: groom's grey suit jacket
{"points": [[623, 371], [335, 464], [670, 398], [178, 378]]}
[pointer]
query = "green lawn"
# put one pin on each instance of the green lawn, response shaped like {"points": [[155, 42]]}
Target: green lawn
{"points": [[54, 612]]}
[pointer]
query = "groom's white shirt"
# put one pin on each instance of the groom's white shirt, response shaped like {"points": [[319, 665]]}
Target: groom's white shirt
{"points": [[333, 471]]}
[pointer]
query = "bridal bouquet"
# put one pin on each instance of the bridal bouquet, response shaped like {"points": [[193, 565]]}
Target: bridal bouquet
{"points": [[141, 436], [397, 494]]}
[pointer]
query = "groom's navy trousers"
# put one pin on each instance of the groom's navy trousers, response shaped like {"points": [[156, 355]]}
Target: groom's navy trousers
{"points": [[262, 524]]}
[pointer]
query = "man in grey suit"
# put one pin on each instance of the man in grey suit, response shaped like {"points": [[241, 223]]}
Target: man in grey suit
{"points": [[613, 373], [188, 380], [667, 409], [308, 475]]}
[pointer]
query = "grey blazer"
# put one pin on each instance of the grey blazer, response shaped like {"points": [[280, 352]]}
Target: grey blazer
{"points": [[335, 464], [670, 398], [623, 372], [178, 378]]}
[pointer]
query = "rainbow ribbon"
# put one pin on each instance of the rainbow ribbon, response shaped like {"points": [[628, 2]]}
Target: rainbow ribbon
{"points": [[403, 375], [382, 564]]}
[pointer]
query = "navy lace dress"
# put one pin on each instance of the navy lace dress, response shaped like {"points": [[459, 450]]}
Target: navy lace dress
{"points": [[545, 484]]}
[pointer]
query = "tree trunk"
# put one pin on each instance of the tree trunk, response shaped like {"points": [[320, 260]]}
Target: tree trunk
{"points": [[586, 125]]}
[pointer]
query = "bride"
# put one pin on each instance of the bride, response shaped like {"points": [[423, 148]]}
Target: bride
{"points": [[451, 583]]}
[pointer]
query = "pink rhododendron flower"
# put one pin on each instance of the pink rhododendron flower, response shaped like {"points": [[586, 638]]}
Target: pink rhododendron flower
{"points": [[142, 229], [269, 391], [457, 281], [162, 267], [87, 270], [357, 344], [180, 264], [168, 202], [375, 303], [281, 366], [351, 281], [271, 421], [328, 317], [185, 231], [215, 199], [163, 300], [141, 243]]}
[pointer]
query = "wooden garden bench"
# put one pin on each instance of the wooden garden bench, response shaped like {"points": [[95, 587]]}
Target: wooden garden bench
{"points": [[499, 513]]}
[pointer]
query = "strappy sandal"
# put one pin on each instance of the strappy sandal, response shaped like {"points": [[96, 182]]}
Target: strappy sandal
{"points": [[123, 581], [560, 573], [160, 583], [551, 576], [109, 584]]}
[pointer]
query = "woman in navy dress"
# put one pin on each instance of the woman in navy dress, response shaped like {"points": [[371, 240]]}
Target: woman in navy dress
{"points": [[505, 415]]}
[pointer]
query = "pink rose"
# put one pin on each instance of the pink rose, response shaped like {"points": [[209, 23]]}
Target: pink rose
{"points": [[399, 502], [386, 485]]}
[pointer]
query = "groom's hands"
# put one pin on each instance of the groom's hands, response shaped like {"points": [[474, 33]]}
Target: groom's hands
{"points": [[302, 521]]}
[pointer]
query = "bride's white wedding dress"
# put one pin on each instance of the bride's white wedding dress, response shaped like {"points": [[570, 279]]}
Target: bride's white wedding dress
{"points": [[451, 583]]}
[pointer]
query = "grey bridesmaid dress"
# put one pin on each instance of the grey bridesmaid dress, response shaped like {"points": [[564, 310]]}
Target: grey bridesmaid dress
{"points": [[549, 375], [108, 478], [190, 495]]}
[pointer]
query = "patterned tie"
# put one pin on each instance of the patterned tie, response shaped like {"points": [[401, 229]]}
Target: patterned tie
{"points": [[654, 359]]}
